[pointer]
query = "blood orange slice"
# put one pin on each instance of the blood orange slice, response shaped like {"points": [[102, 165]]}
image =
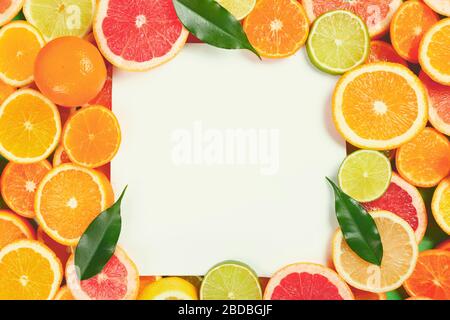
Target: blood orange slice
{"points": [[377, 14], [139, 35], [307, 281], [404, 200], [119, 280]]}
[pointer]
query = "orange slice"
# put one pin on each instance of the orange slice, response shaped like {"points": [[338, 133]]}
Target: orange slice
{"points": [[408, 26], [13, 227], [9, 9], [68, 199], [440, 205], [30, 127], [434, 53], [277, 28], [62, 252], [91, 137], [20, 43], [425, 160], [399, 256], [369, 114], [19, 183], [431, 278], [5, 91], [29, 271], [64, 294]]}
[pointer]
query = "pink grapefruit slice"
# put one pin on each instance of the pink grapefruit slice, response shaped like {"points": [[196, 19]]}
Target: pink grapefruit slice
{"points": [[307, 281], [138, 35], [405, 201], [119, 280], [377, 14], [439, 102], [9, 9]]}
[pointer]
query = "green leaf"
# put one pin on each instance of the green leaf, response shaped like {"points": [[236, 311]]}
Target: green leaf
{"points": [[358, 227], [212, 24], [98, 243]]}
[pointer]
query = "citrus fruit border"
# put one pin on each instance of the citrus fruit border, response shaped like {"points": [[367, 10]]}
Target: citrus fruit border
{"points": [[400, 152]]}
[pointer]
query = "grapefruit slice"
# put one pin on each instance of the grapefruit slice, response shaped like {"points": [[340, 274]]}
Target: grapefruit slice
{"points": [[119, 280], [377, 14], [307, 281], [404, 200], [139, 35], [9, 9]]}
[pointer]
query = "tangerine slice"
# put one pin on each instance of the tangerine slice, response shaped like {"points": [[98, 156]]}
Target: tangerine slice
{"points": [[13, 228]]}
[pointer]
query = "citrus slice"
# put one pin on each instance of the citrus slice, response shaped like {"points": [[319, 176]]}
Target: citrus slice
{"points": [[369, 114], [171, 288], [338, 42], [277, 28], [104, 98], [408, 26], [84, 71], [431, 278], [440, 205], [19, 183], [434, 55], [307, 281], [13, 228], [365, 175], [64, 294], [440, 6], [366, 295], [383, 51], [425, 160], [439, 103], [144, 281], [20, 43], [28, 271], [68, 199], [404, 200], [238, 8], [91, 137], [30, 127], [230, 280], [150, 33], [62, 252], [58, 18], [119, 280], [444, 245], [9, 9], [377, 14], [400, 252], [5, 91]]}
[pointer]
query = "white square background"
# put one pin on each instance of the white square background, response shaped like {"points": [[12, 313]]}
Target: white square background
{"points": [[182, 220]]}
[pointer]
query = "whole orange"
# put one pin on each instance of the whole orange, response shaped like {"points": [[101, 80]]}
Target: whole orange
{"points": [[70, 71]]}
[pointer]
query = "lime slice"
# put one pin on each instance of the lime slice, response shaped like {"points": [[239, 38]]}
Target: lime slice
{"points": [[238, 8], [58, 18], [338, 42], [230, 280], [365, 175]]}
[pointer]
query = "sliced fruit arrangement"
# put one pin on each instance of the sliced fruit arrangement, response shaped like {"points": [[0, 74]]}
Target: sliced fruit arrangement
{"points": [[171, 288], [230, 280], [404, 200], [377, 14], [307, 281], [431, 277], [277, 28], [9, 9], [238, 8], [369, 114], [20, 43], [150, 33], [29, 270], [58, 18], [119, 280], [434, 55], [338, 42], [383, 51], [13, 228], [400, 252], [425, 160], [440, 205], [408, 26]]}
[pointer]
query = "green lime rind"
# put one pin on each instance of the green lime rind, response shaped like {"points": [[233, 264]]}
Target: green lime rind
{"points": [[231, 280], [365, 175], [338, 42]]}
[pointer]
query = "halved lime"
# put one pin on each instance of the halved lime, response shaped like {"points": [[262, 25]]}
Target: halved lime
{"points": [[58, 18], [238, 8], [365, 175], [338, 42], [230, 280]]}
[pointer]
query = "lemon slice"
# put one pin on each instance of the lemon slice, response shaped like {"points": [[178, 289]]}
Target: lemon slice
{"points": [[172, 288], [238, 8]]}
